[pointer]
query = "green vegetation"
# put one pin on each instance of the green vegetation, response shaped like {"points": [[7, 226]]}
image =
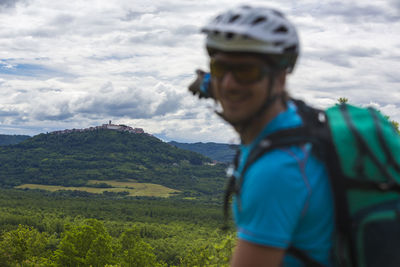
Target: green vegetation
{"points": [[75, 158], [343, 100], [39, 228], [108, 206]]}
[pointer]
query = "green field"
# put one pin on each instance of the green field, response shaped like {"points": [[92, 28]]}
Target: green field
{"points": [[132, 187]]}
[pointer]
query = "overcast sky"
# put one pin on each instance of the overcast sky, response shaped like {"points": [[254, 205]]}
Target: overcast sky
{"points": [[76, 64]]}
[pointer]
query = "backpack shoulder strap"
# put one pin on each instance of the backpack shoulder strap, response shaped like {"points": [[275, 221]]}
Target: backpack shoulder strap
{"points": [[301, 255], [313, 130], [284, 138]]}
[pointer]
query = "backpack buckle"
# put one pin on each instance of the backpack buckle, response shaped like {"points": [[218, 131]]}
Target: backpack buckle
{"points": [[386, 186], [265, 143], [230, 171], [321, 117]]}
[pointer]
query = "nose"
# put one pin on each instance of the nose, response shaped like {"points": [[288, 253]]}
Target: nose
{"points": [[228, 81]]}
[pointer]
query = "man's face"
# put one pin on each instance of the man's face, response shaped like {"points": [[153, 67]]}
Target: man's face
{"points": [[239, 96]]}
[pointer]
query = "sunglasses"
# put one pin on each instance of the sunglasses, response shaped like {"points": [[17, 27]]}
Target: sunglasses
{"points": [[243, 73]]}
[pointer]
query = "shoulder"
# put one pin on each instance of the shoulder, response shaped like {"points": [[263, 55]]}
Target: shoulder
{"points": [[283, 166], [285, 177], [279, 179], [273, 198], [275, 195]]}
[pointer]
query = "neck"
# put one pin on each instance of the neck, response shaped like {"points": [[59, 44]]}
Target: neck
{"points": [[251, 132]]}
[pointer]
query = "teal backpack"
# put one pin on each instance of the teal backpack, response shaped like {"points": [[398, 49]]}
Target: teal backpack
{"points": [[362, 152]]}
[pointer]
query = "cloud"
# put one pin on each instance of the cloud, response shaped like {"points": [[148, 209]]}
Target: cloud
{"points": [[352, 12], [333, 57], [131, 102], [344, 57], [134, 15], [392, 77], [171, 102], [58, 112], [396, 5], [8, 3], [76, 64], [192, 128], [8, 113], [9, 6], [33, 70], [360, 51]]}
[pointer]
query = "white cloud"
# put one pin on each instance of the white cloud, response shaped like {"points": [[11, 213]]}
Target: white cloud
{"points": [[71, 64]]}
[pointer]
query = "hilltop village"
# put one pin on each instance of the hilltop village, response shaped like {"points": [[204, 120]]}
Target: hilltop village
{"points": [[109, 126]]}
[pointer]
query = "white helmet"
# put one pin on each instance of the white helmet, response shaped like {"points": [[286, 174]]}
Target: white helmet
{"points": [[256, 30]]}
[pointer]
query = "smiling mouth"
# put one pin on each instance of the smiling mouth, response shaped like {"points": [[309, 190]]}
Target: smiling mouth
{"points": [[235, 97]]}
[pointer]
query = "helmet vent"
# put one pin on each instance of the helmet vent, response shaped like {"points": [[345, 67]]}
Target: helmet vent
{"points": [[234, 18], [229, 35], [292, 48], [218, 18], [278, 43], [259, 20], [281, 29], [216, 32], [276, 12]]}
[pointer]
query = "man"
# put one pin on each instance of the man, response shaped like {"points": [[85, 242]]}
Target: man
{"points": [[285, 199]]}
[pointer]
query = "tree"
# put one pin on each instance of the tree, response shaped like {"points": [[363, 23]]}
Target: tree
{"points": [[24, 243], [343, 100], [213, 255], [394, 123], [85, 245], [396, 126], [135, 252]]}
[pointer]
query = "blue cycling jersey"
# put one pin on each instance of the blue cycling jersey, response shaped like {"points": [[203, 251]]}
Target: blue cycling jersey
{"points": [[286, 199]]}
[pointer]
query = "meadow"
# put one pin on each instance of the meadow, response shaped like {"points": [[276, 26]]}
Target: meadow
{"points": [[131, 187]]}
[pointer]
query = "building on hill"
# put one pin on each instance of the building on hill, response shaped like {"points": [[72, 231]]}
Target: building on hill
{"points": [[109, 126]]}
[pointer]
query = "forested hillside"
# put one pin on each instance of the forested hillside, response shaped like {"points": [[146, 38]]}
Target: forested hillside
{"points": [[78, 228], [215, 151], [73, 159], [60, 229]]}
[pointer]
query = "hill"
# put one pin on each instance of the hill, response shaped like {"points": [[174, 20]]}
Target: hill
{"points": [[75, 158], [215, 151], [12, 139]]}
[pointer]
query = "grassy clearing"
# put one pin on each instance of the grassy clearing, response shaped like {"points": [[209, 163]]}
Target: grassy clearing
{"points": [[134, 188]]}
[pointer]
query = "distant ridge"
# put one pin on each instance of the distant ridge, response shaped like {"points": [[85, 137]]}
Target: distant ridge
{"points": [[216, 151], [12, 139]]}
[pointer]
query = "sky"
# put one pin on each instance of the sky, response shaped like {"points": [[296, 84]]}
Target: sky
{"points": [[77, 64]]}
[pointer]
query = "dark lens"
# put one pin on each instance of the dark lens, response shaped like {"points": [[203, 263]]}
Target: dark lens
{"points": [[243, 73], [217, 69], [248, 74]]}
